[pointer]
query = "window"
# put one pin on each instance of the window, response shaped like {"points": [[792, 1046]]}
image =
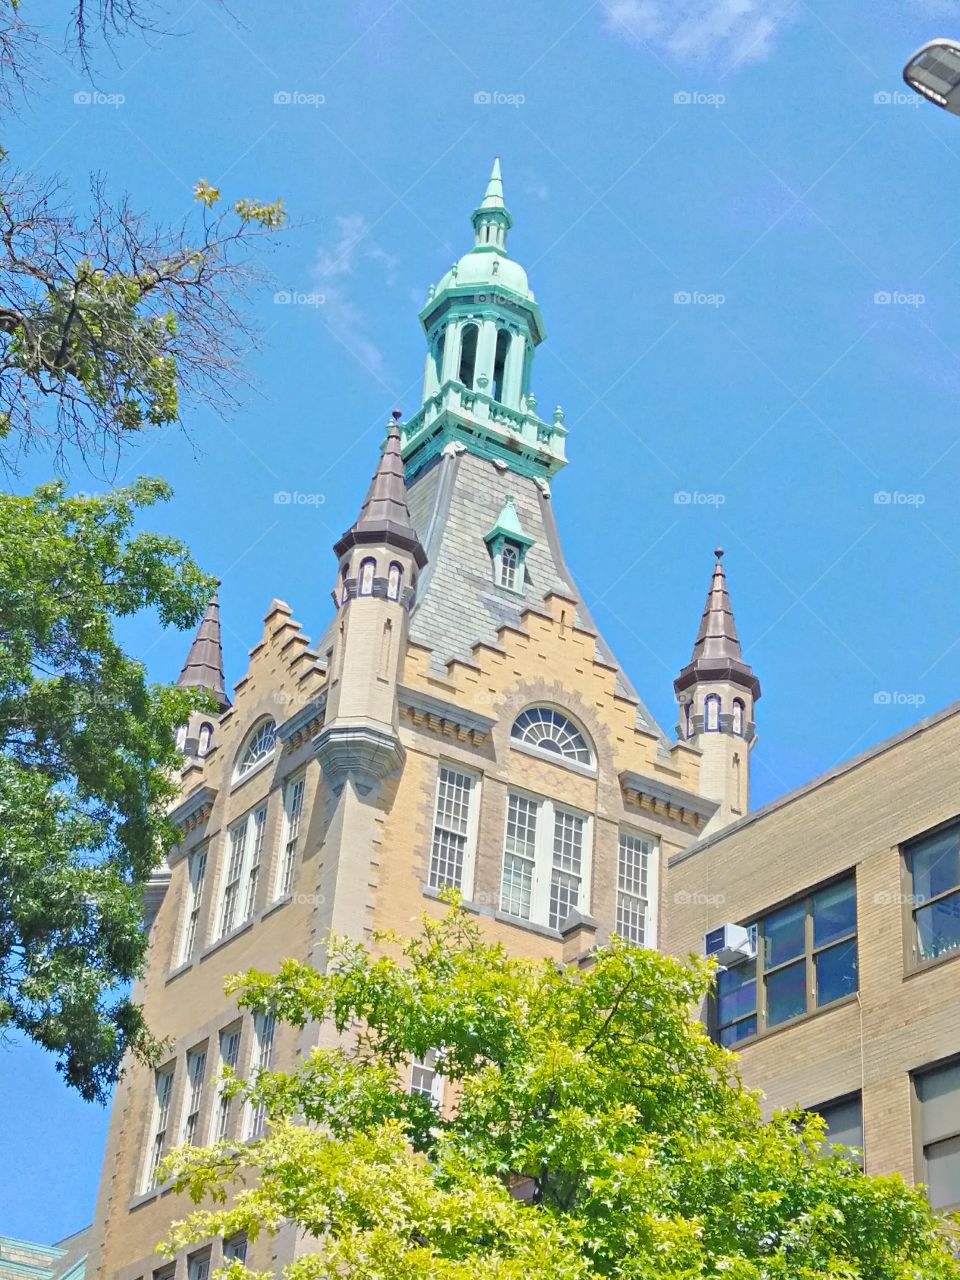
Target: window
{"points": [[197, 873], [738, 716], [235, 1249], [438, 354], [196, 1066], [260, 747], [264, 1024], [245, 844], [844, 1120], [229, 1057], [163, 1091], [292, 808], [544, 861], [425, 1078], [394, 581], [509, 566], [633, 889], [468, 355], [198, 1266], [551, 731], [367, 569], [806, 959], [205, 738], [688, 719], [500, 362], [711, 713], [938, 1098], [180, 737], [934, 867], [454, 830]]}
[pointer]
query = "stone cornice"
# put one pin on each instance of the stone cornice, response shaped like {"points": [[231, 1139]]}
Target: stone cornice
{"points": [[194, 810], [304, 723], [667, 799], [443, 716]]}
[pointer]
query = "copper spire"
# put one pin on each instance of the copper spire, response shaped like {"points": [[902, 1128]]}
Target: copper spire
{"points": [[203, 668], [385, 517], [716, 651]]}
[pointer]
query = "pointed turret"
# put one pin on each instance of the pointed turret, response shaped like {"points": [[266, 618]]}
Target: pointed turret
{"points": [[717, 691], [203, 668], [384, 518], [491, 219]]}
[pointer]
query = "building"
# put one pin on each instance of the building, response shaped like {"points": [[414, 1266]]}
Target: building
{"points": [[842, 987], [65, 1260], [460, 722]]}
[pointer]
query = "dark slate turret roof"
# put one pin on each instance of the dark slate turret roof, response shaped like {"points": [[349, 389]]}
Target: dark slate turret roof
{"points": [[384, 518], [716, 651], [203, 668]]}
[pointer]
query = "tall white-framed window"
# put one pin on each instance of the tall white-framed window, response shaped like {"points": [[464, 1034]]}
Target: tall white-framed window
{"points": [[636, 888], [546, 861], [204, 740], [229, 1057], [290, 839], [196, 1070], [198, 1266], [711, 713], [163, 1092], [196, 873], [368, 568], [454, 829], [394, 581], [425, 1078], [244, 849], [235, 1249], [509, 566], [264, 1028]]}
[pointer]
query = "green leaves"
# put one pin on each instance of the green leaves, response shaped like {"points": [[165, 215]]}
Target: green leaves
{"points": [[590, 1129], [87, 762]]}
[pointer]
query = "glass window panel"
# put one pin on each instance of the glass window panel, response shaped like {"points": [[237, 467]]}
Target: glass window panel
{"points": [[783, 934], [836, 972], [736, 992], [786, 993], [844, 1122], [939, 1095], [834, 913], [943, 1173], [738, 1031], [938, 927], [935, 865]]}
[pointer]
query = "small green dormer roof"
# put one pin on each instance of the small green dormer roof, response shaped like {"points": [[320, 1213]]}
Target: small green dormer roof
{"points": [[508, 526]]}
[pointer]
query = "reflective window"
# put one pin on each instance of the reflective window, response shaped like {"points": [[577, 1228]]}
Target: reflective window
{"points": [[934, 866], [551, 731], [938, 1096]]}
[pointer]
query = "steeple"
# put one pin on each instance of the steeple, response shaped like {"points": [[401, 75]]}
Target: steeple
{"points": [[716, 651], [384, 518], [491, 219], [203, 668]]}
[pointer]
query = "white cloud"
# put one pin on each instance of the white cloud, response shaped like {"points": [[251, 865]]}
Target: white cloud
{"points": [[335, 265], [731, 31]]}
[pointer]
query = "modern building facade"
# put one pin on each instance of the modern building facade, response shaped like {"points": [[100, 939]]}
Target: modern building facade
{"points": [[460, 722], [842, 991]]}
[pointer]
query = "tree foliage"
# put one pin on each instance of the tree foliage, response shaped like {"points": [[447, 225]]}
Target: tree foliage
{"points": [[592, 1130], [87, 766]]}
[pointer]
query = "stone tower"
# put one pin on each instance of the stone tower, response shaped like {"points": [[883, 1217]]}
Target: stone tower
{"points": [[717, 692]]}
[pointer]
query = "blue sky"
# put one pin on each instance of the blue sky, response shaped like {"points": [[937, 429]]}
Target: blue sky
{"points": [[759, 156]]}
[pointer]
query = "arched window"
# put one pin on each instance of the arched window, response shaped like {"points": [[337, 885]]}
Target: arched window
{"points": [[509, 566], [468, 355], [688, 719], [394, 581], [259, 746], [500, 362], [438, 354], [738, 716], [711, 713], [206, 737], [551, 731], [367, 567], [181, 736]]}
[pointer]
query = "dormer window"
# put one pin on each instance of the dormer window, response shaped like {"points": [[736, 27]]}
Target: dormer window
{"points": [[509, 566], [508, 546]]}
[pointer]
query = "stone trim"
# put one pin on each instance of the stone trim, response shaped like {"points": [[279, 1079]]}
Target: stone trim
{"points": [[195, 809], [666, 799], [443, 716], [303, 723]]}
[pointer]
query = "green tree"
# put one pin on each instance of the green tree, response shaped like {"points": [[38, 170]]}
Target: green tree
{"points": [[592, 1130], [87, 766]]}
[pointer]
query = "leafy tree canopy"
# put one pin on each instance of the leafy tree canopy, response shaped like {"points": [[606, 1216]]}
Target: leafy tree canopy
{"points": [[591, 1130], [87, 766]]}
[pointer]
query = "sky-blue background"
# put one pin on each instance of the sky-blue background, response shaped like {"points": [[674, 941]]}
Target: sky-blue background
{"points": [[798, 183]]}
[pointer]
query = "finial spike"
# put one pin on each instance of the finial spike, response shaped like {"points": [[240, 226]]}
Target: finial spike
{"points": [[493, 196]]}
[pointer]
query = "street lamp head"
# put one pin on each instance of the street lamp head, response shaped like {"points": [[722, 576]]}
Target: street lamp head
{"points": [[934, 72]]}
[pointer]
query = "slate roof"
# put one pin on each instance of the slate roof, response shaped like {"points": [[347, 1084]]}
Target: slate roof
{"points": [[203, 668], [716, 651]]}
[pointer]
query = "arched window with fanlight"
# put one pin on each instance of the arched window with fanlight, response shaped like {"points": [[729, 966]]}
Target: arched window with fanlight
{"points": [[205, 738], [738, 716], [711, 713], [365, 584], [550, 731], [259, 747], [394, 581], [468, 355]]}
